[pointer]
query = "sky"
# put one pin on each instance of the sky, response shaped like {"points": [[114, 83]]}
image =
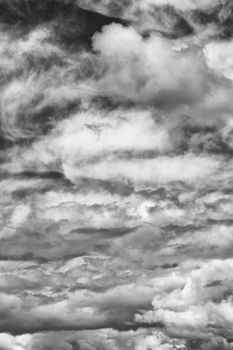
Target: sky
{"points": [[116, 175]]}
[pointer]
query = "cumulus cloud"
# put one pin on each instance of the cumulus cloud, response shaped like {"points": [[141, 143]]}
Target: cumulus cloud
{"points": [[149, 70], [199, 305]]}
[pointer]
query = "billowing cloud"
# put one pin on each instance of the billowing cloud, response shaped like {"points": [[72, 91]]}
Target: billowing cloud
{"points": [[198, 303], [150, 70]]}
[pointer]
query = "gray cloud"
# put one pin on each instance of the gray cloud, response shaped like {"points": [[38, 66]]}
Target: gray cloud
{"points": [[116, 175]]}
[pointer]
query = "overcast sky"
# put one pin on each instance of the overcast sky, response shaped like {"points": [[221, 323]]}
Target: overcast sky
{"points": [[116, 174]]}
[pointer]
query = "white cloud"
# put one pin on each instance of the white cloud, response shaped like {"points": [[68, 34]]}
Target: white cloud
{"points": [[159, 170], [194, 306], [9, 342], [96, 133], [219, 57], [149, 70]]}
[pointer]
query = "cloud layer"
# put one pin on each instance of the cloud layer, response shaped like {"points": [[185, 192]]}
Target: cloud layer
{"points": [[116, 175]]}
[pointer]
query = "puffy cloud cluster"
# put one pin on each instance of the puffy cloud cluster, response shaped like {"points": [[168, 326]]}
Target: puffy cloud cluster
{"points": [[195, 301], [151, 70]]}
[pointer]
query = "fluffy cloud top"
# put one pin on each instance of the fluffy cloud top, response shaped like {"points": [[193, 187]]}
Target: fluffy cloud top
{"points": [[149, 70]]}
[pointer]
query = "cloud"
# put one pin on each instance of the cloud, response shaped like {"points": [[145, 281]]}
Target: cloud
{"points": [[185, 5], [219, 55], [82, 310], [37, 341], [199, 305], [171, 18], [116, 175], [149, 70], [112, 6], [9, 342], [160, 170], [91, 135], [44, 99]]}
